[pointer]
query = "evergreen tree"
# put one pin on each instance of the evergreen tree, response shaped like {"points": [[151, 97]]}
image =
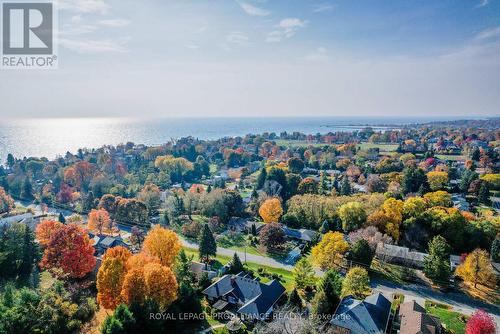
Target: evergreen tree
{"points": [[495, 250], [303, 273], [254, 230], [437, 263], [236, 266], [361, 253], [261, 179], [207, 246], [294, 299], [484, 193], [328, 296], [323, 188], [467, 177], [10, 160], [345, 187], [183, 271], [125, 317], [111, 325], [476, 154], [325, 227], [27, 191], [88, 203], [61, 218], [209, 188], [30, 253]]}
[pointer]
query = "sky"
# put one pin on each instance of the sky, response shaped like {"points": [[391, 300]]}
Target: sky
{"points": [[204, 58]]}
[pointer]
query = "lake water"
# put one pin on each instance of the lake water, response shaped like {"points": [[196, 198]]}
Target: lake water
{"points": [[52, 137]]}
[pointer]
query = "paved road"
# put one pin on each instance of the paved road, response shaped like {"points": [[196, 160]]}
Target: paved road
{"points": [[458, 301]]}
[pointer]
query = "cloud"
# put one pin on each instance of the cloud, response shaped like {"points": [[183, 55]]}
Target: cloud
{"points": [[115, 22], [319, 55], [488, 33], [324, 7], [286, 29], [84, 6], [94, 46], [252, 10], [237, 38], [483, 3], [193, 46]]}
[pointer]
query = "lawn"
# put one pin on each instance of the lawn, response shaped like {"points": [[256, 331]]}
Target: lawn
{"points": [[450, 157], [392, 272], [381, 147], [298, 143], [286, 277], [454, 321]]}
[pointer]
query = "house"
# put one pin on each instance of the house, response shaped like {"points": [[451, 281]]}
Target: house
{"points": [[200, 268], [101, 243], [244, 226], [369, 316], [242, 295], [415, 320], [400, 255], [455, 261], [460, 203], [16, 218], [303, 235]]}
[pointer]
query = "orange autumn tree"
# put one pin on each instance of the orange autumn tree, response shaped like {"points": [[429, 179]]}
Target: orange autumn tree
{"points": [[99, 221], [70, 250], [111, 276], [133, 288], [271, 210], [162, 243], [45, 230], [161, 285]]}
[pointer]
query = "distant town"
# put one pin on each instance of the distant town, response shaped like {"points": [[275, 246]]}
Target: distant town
{"points": [[364, 231]]}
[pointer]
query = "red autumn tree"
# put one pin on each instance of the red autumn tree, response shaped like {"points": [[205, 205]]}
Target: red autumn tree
{"points": [[70, 250], [480, 323], [45, 230]]}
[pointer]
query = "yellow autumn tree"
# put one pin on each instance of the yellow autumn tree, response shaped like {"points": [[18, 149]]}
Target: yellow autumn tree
{"points": [[414, 206], [133, 288], [438, 198], [162, 243], [437, 180], [99, 221], [110, 277], [329, 251], [393, 209], [477, 268], [161, 285], [271, 210]]}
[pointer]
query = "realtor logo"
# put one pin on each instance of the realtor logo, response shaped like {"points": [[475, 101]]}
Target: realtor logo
{"points": [[28, 35]]}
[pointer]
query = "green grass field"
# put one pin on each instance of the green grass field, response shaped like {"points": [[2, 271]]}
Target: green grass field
{"points": [[381, 147], [286, 276], [451, 157], [454, 321]]}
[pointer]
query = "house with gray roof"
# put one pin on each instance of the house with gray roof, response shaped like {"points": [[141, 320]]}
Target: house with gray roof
{"points": [[369, 316], [302, 235], [399, 255], [245, 296]]}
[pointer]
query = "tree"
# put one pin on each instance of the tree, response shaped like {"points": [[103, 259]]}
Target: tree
{"points": [[437, 180], [271, 210], [150, 195], [295, 165], [308, 186], [353, 216], [413, 179], [133, 287], [27, 191], [111, 275], [328, 293], [495, 250], [345, 187], [162, 243], [207, 245], [356, 283], [294, 299], [438, 198], [61, 218], [361, 253], [182, 270], [414, 207], [10, 160], [272, 236], [235, 265], [437, 263], [476, 268], [45, 230], [261, 179], [6, 202], [484, 193], [480, 323], [161, 285], [18, 251], [303, 273], [328, 252], [70, 250], [136, 236], [99, 221]]}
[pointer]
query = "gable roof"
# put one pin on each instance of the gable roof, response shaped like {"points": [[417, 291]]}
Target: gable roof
{"points": [[302, 234], [255, 298], [369, 316], [414, 320]]}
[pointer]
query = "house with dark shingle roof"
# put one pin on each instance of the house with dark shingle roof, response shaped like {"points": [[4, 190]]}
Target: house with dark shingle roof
{"points": [[369, 316], [247, 297], [415, 320], [302, 235]]}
